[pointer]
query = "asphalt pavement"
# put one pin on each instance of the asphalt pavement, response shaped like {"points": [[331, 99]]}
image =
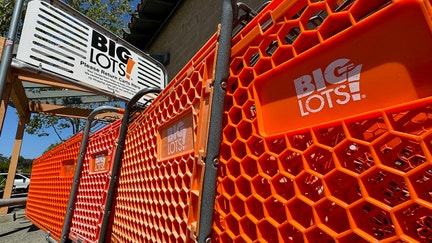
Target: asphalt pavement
{"points": [[21, 229]]}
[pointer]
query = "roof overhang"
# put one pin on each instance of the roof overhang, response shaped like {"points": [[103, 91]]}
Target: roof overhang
{"points": [[148, 20]]}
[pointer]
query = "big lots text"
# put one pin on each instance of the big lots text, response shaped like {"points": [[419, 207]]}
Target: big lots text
{"points": [[108, 55], [337, 84]]}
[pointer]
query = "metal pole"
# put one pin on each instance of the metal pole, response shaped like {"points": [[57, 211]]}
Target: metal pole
{"points": [[80, 162], [8, 48], [13, 201], [117, 160], [215, 127], [49, 238]]}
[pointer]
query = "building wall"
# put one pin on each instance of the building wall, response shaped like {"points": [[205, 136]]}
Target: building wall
{"points": [[194, 22]]}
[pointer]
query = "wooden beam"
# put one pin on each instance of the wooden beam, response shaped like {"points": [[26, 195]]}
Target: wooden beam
{"points": [[24, 107], [59, 93], [14, 161], [35, 78], [2, 42], [19, 97], [64, 111], [6, 91], [57, 110], [4, 103]]}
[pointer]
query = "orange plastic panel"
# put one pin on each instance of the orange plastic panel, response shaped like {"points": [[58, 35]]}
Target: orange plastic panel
{"points": [[343, 63], [159, 189], [358, 172], [50, 185], [364, 178], [93, 185]]}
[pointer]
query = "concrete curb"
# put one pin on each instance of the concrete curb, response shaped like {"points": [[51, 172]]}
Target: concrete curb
{"points": [[7, 218]]}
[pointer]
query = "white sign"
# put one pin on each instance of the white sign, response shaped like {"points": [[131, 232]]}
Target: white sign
{"points": [[63, 41]]}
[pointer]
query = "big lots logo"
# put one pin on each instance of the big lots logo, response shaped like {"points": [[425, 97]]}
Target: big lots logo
{"points": [[100, 163], [110, 56], [176, 138], [338, 84]]}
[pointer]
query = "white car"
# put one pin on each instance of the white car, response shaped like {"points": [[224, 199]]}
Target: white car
{"points": [[21, 182]]}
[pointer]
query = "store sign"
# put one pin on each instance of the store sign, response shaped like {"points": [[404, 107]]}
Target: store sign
{"points": [[60, 40]]}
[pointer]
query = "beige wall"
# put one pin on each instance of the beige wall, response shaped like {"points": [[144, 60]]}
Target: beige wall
{"points": [[189, 28]]}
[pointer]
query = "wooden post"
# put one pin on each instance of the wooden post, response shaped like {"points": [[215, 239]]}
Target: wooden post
{"points": [[2, 42], [6, 92], [14, 160], [4, 104]]}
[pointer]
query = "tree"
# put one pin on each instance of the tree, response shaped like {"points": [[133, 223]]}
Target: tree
{"points": [[6, 7], [41, 124], [110, 14], [51, 147], [24, 164], [4, 164], [3, 159]]}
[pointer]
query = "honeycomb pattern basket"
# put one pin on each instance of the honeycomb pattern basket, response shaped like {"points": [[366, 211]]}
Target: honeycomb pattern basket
{"points": [[158, 193], [344, 171], [50, 185], [93, 184], [155, 189]]}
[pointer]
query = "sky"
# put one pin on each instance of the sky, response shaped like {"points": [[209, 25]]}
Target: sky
{"points": [[32, 146]]}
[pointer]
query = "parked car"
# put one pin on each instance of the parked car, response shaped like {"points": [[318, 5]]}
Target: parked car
{"points": [[21, 182]]}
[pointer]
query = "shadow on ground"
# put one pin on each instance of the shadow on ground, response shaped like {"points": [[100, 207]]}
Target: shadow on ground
{"points": [[20, 229]]}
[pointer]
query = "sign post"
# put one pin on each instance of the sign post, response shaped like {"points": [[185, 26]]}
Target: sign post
{"points": [[8, 47]]}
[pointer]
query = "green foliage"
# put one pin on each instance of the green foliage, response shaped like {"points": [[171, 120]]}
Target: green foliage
{"points": [[2, 183], [40, 124], [4, 167], [3, 158], [52, 146], [107, 13], [4, 163], [23, 165], [6, 9]]}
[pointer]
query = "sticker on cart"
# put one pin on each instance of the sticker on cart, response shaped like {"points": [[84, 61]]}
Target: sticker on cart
{"points": [[337, 84], [99, 163], [67, 168], [362, 70], [177, 137]]}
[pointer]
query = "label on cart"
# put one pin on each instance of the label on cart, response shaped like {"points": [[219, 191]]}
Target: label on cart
{"points": [[337, 84], [67, 168], [100, 162], [358, 71], [177, 137]]}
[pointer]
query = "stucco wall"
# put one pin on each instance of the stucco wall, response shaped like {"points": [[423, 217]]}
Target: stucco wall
{"points": [[194, 22]]}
